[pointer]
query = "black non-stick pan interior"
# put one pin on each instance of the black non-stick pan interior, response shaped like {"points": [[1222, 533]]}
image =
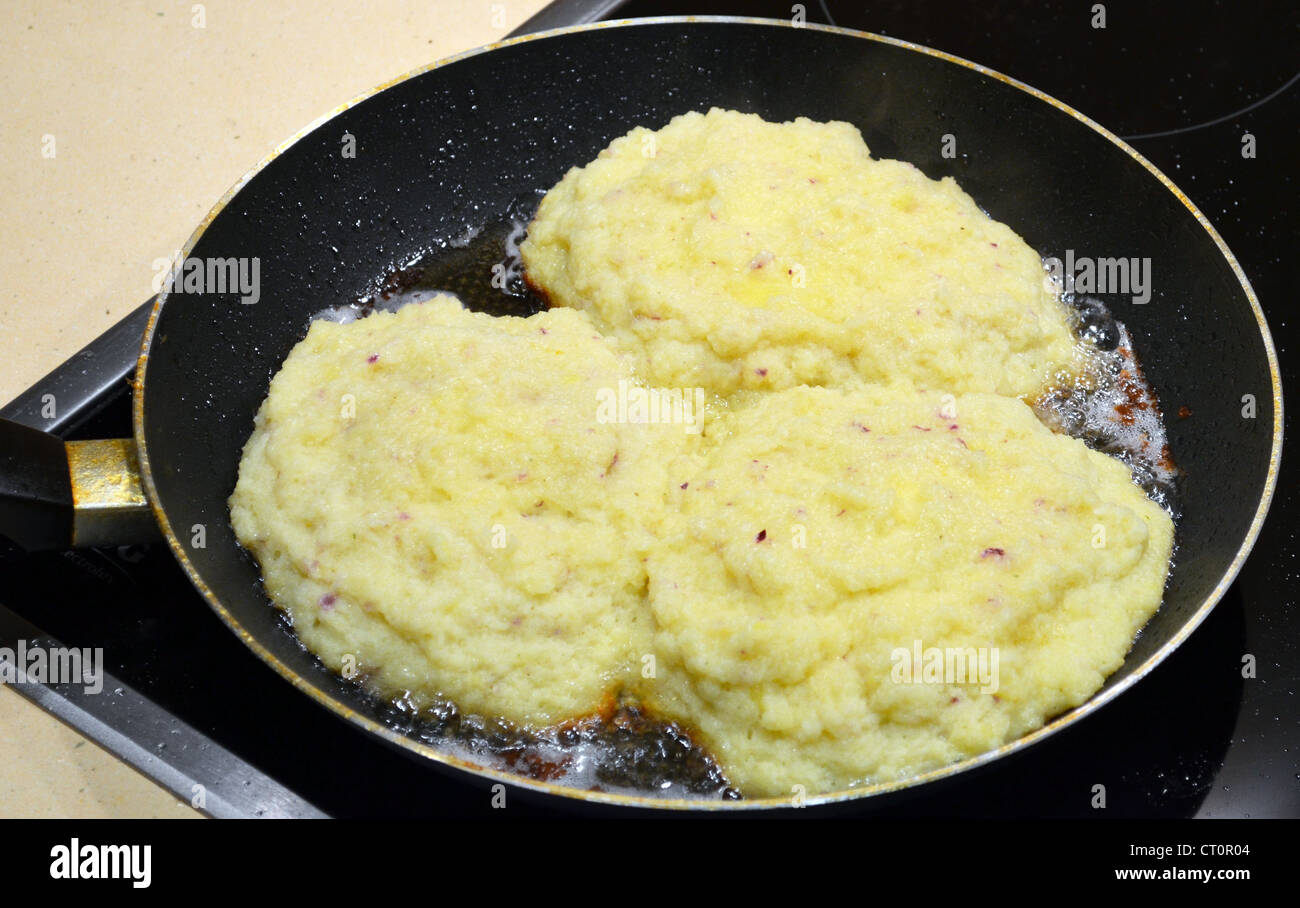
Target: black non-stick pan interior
{"points": [[456, 146]]}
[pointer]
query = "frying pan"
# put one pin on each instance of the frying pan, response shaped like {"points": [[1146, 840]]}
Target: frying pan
{"points": [[453, 146]]}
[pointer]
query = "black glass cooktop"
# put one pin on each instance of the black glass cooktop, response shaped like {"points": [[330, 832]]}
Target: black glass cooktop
{"points": [[1189, 85]]}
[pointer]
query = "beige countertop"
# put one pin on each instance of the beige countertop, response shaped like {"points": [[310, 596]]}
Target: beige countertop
{"points": [[120, 126]]}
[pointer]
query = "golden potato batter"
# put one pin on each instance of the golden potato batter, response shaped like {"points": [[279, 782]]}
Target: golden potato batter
{"points": [[823, 533], [433, 501], [729, 252]]}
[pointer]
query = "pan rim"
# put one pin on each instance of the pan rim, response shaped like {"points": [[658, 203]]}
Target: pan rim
{"points": [[428, 751]]}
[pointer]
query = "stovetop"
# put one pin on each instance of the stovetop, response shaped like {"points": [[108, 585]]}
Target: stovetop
{"points": [[188, 704]]}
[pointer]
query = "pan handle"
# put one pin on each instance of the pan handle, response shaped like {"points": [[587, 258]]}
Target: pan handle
{"points": [[563, 13], [56, 494]]}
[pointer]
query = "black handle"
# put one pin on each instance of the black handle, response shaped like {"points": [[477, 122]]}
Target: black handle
{"points": [[35, 487], [563, 13]]}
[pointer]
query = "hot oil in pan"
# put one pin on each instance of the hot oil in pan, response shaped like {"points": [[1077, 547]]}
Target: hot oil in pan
{"points": [[620, 749], [1112, 408], [481, 267]]}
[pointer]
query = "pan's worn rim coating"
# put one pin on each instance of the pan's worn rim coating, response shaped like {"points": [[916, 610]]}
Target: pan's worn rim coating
{"points": [[425, 750]]}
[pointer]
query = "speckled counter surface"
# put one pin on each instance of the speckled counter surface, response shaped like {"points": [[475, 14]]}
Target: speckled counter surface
{"points": [[120, 126]]}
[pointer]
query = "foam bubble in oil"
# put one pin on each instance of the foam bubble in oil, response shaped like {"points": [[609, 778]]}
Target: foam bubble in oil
{"points": [[622, 750], [1110, 405]]}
